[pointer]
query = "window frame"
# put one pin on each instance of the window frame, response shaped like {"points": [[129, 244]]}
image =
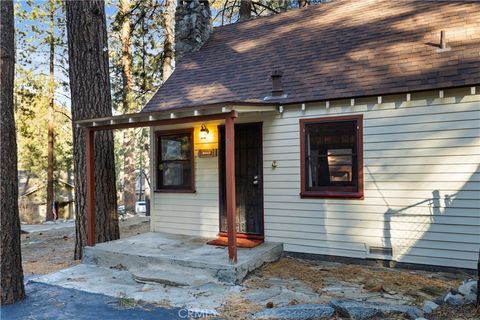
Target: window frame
{"points": [[158, 135], [334, 191]]}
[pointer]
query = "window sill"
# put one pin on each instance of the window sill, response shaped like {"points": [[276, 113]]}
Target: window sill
{"points": [[332, 195], [175, 191]]}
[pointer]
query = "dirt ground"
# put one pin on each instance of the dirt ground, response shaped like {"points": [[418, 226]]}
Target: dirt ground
{"points": [[50, 251], [304, 281], [373, 283]]}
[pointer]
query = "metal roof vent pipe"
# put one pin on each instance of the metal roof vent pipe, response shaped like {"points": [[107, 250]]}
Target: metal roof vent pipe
{"points": [[443, 40]]}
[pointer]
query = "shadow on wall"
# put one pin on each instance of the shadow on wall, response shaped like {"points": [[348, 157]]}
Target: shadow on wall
{"points": [[448, 234]]}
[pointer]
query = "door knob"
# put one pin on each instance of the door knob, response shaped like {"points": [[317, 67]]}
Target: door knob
{"points": [[256, 180]]}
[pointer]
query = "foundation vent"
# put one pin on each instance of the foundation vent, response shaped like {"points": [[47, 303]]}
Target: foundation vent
{"points": [[381, 251]]}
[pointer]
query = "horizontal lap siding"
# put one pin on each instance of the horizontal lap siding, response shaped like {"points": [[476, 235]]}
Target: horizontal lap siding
{"points": [[422, 189], [196, 213]]}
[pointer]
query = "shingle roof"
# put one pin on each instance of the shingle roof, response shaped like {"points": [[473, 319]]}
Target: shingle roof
{"points": [[340, 49]]}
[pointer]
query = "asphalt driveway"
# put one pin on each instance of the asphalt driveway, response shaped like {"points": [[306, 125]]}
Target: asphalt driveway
{"points": [[52, 302]]}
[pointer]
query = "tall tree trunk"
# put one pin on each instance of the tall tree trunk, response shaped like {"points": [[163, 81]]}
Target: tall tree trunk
{"points": [[11, 272], [90, 90], [51, 115], [169, 38], [303, 3], [245, 10], [128, 135]]}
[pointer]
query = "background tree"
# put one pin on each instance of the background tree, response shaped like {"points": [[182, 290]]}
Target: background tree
{"points": [[46, 22], [90, 91], [302, 3], [31, 117], [245, 11], [139, 64], [128, 105], [229, 11], [11, 272], [168, 38]]}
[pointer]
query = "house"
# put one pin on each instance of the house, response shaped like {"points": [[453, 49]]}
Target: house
{"points": [[349, 129], [32, 199]]}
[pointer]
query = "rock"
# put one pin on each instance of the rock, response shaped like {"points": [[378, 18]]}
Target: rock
{"points": [[454, 298], [421, 318], [440, 300], [269, 305], [468, 287], [429, 306], [297, 312], [367, 310], [292, 302]]}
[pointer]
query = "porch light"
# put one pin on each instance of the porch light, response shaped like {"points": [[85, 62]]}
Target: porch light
{"points": [[203, 132]]}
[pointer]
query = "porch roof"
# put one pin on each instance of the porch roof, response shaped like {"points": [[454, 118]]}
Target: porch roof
{"points": [[188, 115]]}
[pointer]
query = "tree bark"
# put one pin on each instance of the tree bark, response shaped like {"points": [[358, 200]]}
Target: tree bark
{"points": [[129, 197], [11, 272], [90, 90], [245, 10], [169, 39], [51, 115], [303, 3]]}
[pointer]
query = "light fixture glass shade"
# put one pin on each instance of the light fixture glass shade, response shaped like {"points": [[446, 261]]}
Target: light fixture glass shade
{"points": [[203, 132]]}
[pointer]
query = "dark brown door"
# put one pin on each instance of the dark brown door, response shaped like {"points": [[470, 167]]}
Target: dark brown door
{"points": [[248, 179]]}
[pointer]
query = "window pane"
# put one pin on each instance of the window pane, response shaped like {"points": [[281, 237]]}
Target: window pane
{"points": [[175, 162], [176, 174], [340, 165], [330, 154], [175, 147]]}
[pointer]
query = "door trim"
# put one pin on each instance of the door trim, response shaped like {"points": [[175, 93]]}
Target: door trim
{"points": [[262, 205]]}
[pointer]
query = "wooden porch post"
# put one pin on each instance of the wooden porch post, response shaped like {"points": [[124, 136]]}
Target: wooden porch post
{"points": [[230, 187], [90, 163]]}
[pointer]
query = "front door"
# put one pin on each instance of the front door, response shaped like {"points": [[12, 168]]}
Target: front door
{"points": [[248, 180]]}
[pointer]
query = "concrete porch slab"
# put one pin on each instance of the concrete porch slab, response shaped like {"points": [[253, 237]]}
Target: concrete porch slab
{"points": [[163, 258]]}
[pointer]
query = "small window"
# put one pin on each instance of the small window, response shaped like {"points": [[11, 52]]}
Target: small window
{"points": [[175, 161], [331, 157]]}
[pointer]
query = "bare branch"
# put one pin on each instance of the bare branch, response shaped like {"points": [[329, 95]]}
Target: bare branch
{"points": [[265, 6]]}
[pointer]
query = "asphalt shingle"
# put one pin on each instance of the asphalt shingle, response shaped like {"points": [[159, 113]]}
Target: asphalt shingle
{"points": [[340, 49]]}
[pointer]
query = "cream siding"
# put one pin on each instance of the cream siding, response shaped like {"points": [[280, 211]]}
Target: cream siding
{"points": [[422, 183], [190, 213]]}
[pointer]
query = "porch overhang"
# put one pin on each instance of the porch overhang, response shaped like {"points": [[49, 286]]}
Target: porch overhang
{"points": [[227, 113], [172, 116]]}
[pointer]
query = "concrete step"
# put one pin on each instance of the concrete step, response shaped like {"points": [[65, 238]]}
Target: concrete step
{"points": [[165, 258], [144, 266]]}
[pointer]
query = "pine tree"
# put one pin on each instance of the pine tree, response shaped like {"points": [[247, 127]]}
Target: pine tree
{"points": [[90, 91], [45, 22], [139, 67], [11, 272]]}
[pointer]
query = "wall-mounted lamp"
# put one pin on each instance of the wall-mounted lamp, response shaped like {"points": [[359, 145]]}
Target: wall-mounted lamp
{"points": [[203, 132]]}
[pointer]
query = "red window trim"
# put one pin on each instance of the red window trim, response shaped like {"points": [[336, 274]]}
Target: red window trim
{"points": [[359, 193], [158, 134]]}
